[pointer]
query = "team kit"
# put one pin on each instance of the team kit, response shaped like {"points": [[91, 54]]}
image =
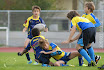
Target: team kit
{"points": [[86, 24]]}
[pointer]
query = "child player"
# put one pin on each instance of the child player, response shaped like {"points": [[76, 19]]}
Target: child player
{"points": [[63, 58], [44, 59], [29, 24], [88, 31], [88, 8]]}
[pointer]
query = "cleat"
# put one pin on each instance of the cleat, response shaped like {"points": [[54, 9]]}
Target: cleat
{"points": [[91, 64], [45, 65], [101, 68], [56, 53], [35, 63], [97, 58], [29, 62]]}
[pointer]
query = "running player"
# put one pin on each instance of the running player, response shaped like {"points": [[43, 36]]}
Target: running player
{"points": [[88, 30], [29, 24]]}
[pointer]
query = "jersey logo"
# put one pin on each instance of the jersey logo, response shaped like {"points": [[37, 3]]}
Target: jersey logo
{"points": [[25, 21]]}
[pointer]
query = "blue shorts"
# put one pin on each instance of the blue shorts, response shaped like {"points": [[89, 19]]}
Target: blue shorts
{"points": [[80, 41], [66, 57]]}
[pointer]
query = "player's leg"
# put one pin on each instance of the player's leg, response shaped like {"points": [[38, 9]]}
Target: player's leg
{"points": [[59, 63], [27, 53], [91, 36], [80, 58], [83, 53]]}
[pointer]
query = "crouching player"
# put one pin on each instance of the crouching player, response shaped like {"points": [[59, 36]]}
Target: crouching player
{"points": [[88, 31], [63, 58], [44, 59]]}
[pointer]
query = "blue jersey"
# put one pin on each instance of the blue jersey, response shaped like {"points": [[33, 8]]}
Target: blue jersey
{"points": [[92, 18], [81, 23], [31, 22], [34, 44]]}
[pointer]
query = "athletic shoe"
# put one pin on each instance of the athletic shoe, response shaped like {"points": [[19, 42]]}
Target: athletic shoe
{"points": [[63, 64], [101, 68], [35, 63], [56, 53], [45, 65], [29, 62], [91, 64], [97, 58]]}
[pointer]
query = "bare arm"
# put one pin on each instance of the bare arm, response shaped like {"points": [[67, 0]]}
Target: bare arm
{"points": [[46, 29], [55, 49], [75, 38], [73, 30], [24, 29]]}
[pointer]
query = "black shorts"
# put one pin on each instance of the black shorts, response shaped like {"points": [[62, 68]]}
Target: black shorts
{"points": [[89, 35], [44, 58]]}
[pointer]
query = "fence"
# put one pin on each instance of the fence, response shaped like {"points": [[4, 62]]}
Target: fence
{"points": [[55, 20]]}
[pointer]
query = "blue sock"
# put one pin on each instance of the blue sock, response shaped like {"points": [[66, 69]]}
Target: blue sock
{"points": [[85, 55], [91, 53], [27, 55], [80, 58]]}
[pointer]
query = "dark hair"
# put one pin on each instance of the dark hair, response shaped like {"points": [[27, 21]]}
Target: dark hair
{"points": [[72, 14], [35, 32], [36, 7], [90, 6]]}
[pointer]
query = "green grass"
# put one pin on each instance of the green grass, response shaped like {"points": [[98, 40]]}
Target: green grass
{"points": [[10, 61]]}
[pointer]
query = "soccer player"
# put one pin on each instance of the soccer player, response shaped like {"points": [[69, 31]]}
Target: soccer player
{"points": [[29, 24], [63, 58], [44, 59], [88, 31], [88, 8]]}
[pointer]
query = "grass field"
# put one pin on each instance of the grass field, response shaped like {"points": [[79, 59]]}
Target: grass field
{"points": [[10, 61]]}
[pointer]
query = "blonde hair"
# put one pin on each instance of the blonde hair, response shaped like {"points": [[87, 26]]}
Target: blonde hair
{"points": [[36, 7], [90, 6], [42, 42]]}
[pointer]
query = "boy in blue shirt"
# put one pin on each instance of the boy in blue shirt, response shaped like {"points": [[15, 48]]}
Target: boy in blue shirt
{"points": [[88, 31], [29, 24]]}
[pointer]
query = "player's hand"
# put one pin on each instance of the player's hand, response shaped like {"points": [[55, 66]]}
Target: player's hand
{"points": [[65, 42], [19, 54], [43, 52], [71, 40]]}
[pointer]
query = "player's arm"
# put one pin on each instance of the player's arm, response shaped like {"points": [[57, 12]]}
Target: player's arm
{"points": [[24, 29], [73, 30], [97, 24], [55, 49], [25, 50], [26, 24], [75, 38], [46, 29]]}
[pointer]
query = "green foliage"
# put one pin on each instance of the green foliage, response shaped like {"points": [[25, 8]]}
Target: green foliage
{"points": [[26, 4], [10, 61]]}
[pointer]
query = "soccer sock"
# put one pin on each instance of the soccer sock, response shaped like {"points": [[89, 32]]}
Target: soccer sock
{"points": [[91, 53], [27, 55], [84, 54], [80, 58]]}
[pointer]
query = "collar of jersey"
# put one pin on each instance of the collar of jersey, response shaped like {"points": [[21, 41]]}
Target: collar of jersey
{"points": [[88, 14], [35, 19], [36, 36]]}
